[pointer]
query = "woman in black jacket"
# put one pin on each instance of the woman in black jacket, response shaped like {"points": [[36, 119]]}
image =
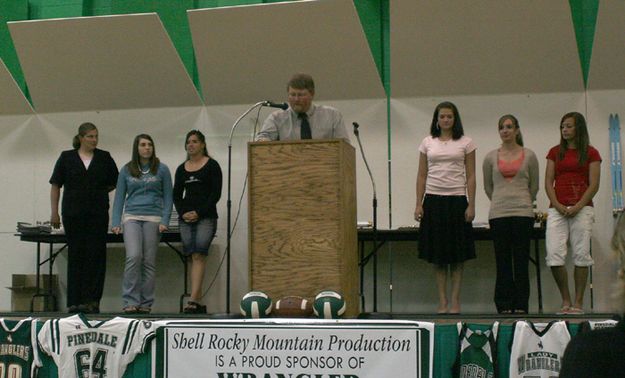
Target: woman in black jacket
{"points": [[86, 175]]}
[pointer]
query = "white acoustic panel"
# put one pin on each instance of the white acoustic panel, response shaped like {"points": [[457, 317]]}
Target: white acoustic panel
{"points": [[607, 62], [101, 63], [247, 53], [12, 100], [448, 47]]}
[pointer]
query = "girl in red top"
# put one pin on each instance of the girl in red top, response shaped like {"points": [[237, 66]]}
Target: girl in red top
{"points": [[571, 181]]}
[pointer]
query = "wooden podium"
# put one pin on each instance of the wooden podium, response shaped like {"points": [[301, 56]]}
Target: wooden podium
{"points": [[302, 219]]}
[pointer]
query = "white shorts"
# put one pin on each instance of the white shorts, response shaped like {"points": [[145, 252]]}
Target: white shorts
{"points": [[575, 231]]}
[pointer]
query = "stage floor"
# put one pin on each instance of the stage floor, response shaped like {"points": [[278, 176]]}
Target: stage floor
{"points": [[424, 317]]}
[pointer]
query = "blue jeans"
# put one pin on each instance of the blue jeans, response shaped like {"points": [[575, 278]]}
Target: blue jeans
{"points": [[141, 240], [197, 236]]}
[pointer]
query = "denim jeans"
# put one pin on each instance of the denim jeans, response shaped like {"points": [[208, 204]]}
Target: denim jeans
{"points": [[141, 240], [197, 236]]}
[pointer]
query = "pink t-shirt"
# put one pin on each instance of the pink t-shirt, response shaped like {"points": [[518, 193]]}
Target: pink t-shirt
{"points": [[446, 165], [571, 180]]}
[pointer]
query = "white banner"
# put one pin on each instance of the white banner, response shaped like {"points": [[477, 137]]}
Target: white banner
{"points": [[295, 349]]}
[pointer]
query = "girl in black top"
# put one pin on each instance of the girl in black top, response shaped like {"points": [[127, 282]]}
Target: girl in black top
{"points": [[197, 190], [87, 175]]}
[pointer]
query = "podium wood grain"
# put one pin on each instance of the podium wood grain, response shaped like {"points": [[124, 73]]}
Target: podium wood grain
{"points": [[302, 219]]}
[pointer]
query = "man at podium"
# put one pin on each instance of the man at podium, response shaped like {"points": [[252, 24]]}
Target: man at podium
{"points": [[303, 119]]}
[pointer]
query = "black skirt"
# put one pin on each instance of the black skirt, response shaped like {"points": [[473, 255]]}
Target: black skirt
{"points": [[444, 236]]}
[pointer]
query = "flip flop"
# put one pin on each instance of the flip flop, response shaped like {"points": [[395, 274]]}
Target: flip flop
{"points": [[564, 310], [575, 311], [130, 309]]}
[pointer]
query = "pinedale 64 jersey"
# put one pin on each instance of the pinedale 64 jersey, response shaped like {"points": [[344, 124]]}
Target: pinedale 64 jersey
{"points": [[95, 349]]}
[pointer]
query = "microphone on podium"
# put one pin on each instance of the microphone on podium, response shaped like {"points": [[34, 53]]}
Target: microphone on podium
{"points": [[362, 152], [356, 126], [373, 253], [279, 105]]}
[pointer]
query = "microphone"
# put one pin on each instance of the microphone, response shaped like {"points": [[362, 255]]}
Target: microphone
{"points": [[271, 104], [362, 153], [372, 254]]}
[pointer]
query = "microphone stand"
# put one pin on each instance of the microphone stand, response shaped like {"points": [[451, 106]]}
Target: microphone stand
{"points": [[229, 201], [365, 260]]}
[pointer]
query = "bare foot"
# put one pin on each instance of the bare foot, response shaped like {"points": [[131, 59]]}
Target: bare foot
{"points": [[455, 308], [442, 308]]}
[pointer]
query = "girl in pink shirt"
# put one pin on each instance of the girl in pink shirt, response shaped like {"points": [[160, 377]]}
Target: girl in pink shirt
{"points": [[446, 202]]}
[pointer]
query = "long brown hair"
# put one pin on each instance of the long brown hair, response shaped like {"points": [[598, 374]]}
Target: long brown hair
{"points": [[582, 140], [134, 165], [456, 130], [200, 136], [519, 136]]}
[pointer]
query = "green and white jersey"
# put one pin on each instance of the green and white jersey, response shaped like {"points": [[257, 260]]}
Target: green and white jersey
{"points": [[18, 348], [477, 351], [94, 349], [537, 349]]}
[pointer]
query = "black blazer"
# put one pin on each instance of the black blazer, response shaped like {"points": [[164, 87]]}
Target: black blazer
{"points": [[85, 190]]}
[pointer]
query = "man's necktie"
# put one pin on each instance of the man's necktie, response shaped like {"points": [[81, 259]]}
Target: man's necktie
{"points": [[305, 126]]}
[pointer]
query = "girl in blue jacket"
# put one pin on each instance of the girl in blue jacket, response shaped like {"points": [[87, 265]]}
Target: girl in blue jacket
{"points": [[144, 196]]}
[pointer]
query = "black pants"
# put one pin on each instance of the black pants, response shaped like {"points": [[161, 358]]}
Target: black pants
{"points": [[86, 257], [511, 236]]}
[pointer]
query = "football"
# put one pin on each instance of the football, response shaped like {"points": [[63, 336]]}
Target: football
{"points": [[292, 307], [329, 305], [256, 304]]}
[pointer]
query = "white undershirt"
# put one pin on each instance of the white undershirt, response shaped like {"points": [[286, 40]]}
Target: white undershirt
{"points": [[86, 162]]}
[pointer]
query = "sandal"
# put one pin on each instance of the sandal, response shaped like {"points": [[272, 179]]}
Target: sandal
{"points": [[564, 310], [131, 309], [575, 311], [144, 310], [194, 308]]}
